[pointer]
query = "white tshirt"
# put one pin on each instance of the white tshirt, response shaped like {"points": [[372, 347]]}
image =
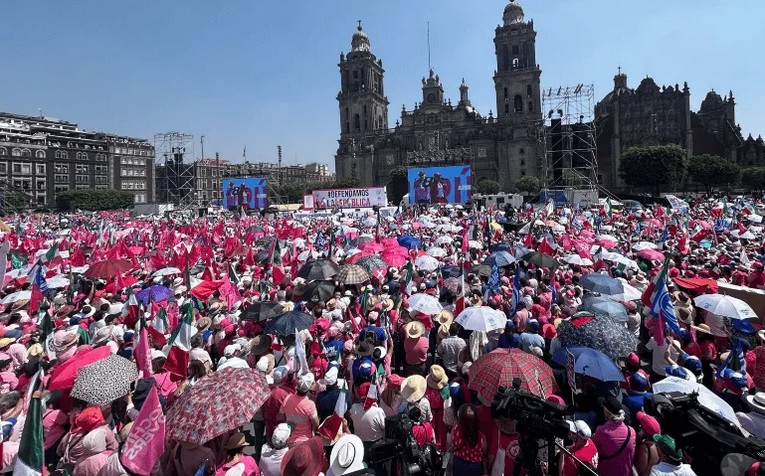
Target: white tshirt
{"points": [[666, 469], [369, 425], [658, 362]]}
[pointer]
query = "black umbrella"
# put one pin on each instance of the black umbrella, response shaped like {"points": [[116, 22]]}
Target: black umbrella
{"points": [[540, 260], [451, 272], [481, 270], [262, 310], [314, 291], [317, 270], [286, 324]]}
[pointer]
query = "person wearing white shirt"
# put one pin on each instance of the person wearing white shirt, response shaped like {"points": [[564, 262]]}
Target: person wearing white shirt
{"points": [[369, 424]]}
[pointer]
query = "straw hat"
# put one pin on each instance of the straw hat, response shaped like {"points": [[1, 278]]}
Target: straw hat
{"points": [[6, 341], [437, 378], [387, 304], [236, 440], [414, 329], [203, 323], [261, 344], [103, 334], [63, 340], [413, 388], [703, 328], [757, 402], [445, 317]]}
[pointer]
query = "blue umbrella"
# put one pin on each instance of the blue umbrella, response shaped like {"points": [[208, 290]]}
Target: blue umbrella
{"points": [[451, 272], [410, 242], [591, 362], [158, 294], [601, 283], [502, 258], [520, 251], [606, 307]]}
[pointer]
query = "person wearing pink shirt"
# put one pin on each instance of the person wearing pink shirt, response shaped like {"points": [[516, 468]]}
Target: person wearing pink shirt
{"points": [[614, 440]]}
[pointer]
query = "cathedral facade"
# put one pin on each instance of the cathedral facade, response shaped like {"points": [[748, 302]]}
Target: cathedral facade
{"points": [[501, 147]]}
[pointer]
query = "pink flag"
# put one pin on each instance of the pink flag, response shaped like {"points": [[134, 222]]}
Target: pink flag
{"points": [[146, 441]]}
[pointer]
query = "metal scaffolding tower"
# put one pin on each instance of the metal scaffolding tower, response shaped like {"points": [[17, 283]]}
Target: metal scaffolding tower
{"points": [[569, 138], [176, 182]]}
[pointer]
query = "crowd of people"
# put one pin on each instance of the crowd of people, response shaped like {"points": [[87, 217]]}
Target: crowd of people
{"points": [[335, 345]]}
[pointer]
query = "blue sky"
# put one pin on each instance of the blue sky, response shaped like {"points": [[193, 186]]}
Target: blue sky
{"points": [[264, 72]]}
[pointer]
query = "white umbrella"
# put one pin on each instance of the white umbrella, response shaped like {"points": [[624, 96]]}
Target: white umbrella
{"points": [[308, 254], [645, 245], [369, 221], [726, 306], [426, 263], [79, 269], [475, 245], [424, 303], [444, 240], [707, 398], [481, 318], [436, 252], [631, 293], [352, 252], [608, 238], [17, 296], [58, 282], [167, 271], [577, 260], [17, 273], [299, 242], [747, 236]]}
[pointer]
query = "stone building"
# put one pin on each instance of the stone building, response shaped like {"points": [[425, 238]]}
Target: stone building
{"points": [[501, 147], [653, 115], [43, 156]]}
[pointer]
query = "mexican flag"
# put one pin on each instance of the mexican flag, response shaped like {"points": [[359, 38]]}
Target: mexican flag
{"points": [[331, 425], [51, 254], [29, 461], [180, 345], [132, 310], [607, 208], [408, 275]]}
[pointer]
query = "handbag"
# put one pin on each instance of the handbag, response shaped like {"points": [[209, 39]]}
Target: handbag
{"points": [[498, 468]]}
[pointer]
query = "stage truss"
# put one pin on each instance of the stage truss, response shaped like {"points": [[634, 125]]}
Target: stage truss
{"points": [[177, 183], [569, 138]]}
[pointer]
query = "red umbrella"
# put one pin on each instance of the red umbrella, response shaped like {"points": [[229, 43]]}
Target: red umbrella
{"points": [[63, 376], [232, 395], [108, 268], [651, 254], [501, 366], [372, 247], [357, 256]]}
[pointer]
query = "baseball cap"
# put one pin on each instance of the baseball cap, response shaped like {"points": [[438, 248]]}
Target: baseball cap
{"points": [[280, 436], [581, 428]]}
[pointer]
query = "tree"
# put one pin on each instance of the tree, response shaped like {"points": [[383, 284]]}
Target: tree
{"points": [[653, 168], [488, 187], [753, 178], [528, 184], [711, 170], [347, 182], [92, 199], [398, 185]]}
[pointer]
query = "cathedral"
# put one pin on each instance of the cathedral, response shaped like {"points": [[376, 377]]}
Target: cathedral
{"points": [[500, 147]]}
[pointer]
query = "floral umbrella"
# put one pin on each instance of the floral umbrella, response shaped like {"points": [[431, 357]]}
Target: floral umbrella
{"points": [[602, 334], [501, 366], [232, 395], [104, 381], [371, 263]]}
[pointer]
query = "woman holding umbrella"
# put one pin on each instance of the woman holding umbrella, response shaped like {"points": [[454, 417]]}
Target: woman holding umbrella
{"points": [[236, 461]]}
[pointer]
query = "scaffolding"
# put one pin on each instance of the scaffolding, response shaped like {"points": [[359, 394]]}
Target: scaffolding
{"points": [[570, 161], [176, 184]]}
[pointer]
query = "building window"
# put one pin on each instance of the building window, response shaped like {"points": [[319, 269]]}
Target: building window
{"points": [[16, 152], [356, 123], [505, 93], [518, 104], [40, 184], [82, 187], [61, 188], [82, 179], [3, 151], [62, 154], [516, 62], [4, 168], [40, 154], [530, 107], [61, 178], [82, 169], [40, 169], [21, 168], [26, 153], [61, 168]]}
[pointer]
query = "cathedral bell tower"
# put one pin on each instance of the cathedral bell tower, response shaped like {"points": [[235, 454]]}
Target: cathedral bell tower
{"points": [[363, 109], [516, 79]]}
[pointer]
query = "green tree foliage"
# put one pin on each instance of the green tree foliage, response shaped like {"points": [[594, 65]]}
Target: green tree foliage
{"points": [[398, 185], [488, 187], [528, 184], [753, 178], [711, 170], [653, 168], [17, 201], [94, 200]]}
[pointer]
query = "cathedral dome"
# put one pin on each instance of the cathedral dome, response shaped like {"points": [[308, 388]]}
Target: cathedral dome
{"points": [[360, 40], [711, 102], [513, 14]]}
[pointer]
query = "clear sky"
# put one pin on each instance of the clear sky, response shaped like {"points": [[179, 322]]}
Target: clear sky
{"points": [[264, 72]]}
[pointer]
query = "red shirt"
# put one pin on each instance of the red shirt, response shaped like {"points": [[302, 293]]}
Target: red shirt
{"points": [[587, 454], [464, 450], [416, 350]]}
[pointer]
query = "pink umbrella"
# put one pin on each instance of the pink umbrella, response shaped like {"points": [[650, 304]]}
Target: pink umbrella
{"points": [[417, 225], [372, 247], [651, 254], [394, 259], [607, 243]]}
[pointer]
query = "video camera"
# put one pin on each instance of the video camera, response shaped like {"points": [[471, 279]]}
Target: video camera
{"points": [[399, 445], [703, 434], [535, 416]]}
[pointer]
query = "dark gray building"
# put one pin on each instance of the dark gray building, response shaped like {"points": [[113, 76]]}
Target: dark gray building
{"points": [[501, 147]]}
